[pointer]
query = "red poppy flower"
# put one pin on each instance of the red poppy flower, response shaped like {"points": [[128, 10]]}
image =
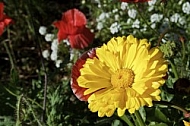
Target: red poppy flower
{"points": [[4, 19], [72, 26], [79, 91], [134, 0]]}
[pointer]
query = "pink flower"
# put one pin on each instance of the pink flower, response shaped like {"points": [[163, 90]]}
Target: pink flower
{"points": [[4, 19], [72, 26]]}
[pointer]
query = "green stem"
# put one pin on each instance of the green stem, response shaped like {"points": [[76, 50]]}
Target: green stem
{"points": [[134, 119], [18, 120], [174, 70], [139, 118], [33, 113], [27, 98], [126, 119], [171, 105], [183, 51], [8, 52]]}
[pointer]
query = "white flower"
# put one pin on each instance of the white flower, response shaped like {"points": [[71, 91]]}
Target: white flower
{"points": [[116, 17], [71, 55], [124, 5], [49, 37], [54, 56], [103, 16], [99, 26], [186, 8], [151, 2], [180, 2], [136, 24], [144, 29], [177, 18], [66, 41], [182, 21], [57, 63], [150, 8], [129, 21], [115, 10], [132, 13], [54, 45], [153, 25], [45, 54], [42, 30], [156, 18], [114, 28]]}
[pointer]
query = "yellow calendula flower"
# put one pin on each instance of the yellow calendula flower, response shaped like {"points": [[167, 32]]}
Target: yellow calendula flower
{"points": [[123, 74], [186, 123]]}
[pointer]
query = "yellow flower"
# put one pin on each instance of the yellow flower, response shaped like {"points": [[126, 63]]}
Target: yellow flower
{"points": [[125, 74], [186, 123]]}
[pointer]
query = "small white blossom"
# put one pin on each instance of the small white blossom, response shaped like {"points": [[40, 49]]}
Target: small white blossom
{"points": [[150, 8], [116, 17], [144, 29], [71, 55], [115, 10], [99, 26], [186, 8], [156, 17], [45, 54], [103, 16], [42, 30], [180, 2], [54, 45], [124, 5], [66, 41], [175, 18], [57, 63], [129, 21], [53, 56], [114, 28], [151, 2], [182, 21], [136, 24], [132, 13], [153, 25], [49, 37]]}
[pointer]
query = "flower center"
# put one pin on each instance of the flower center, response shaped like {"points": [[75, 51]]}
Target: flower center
{"points": [[123, 78]]}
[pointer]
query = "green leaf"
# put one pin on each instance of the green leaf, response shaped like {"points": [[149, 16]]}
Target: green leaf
{"points": [[116, 122], [157, 124], [155, 115]]}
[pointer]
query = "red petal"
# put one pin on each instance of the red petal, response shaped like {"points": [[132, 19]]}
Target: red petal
{"points": [[74, 17], [1, 11], [7, 20], [2, 26], [75, 73], [62, 27], [81, 40]]}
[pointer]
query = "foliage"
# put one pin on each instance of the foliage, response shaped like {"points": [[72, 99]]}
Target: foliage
{"points": [[25, 70]]}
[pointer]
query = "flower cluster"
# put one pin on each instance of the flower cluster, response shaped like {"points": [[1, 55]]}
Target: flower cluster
{"points": [[72, 32]]}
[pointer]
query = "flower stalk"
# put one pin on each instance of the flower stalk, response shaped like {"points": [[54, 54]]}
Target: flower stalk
{"points": [[126, 120], [139, 118]]}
